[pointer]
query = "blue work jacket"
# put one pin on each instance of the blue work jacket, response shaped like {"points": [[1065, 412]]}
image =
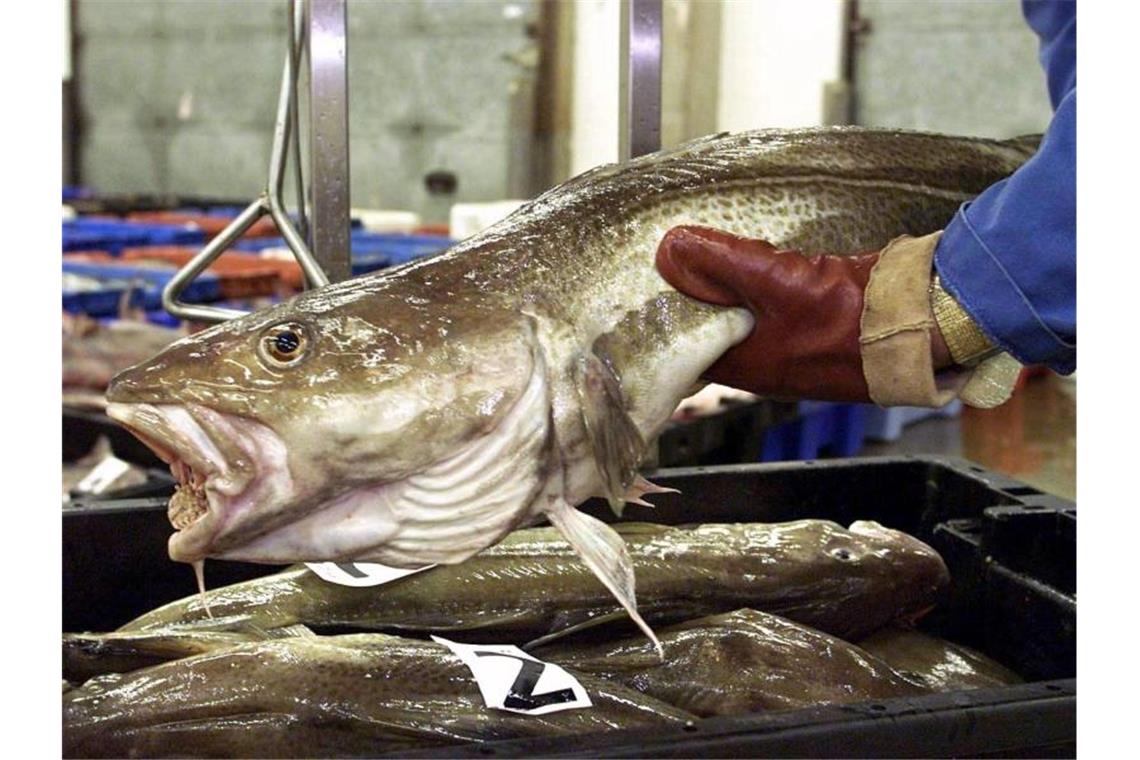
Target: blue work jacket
{"points": [[1009, 257]]}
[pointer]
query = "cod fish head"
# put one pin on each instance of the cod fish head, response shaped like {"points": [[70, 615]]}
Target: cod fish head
{"points": [[917, 572], [360, 421]]}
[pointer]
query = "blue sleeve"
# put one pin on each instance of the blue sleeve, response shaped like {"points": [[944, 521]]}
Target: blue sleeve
{"points": [[1010, 256]]}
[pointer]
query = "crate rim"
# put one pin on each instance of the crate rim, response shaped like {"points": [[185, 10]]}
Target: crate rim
{"points": [[768, 734], [1024, 717]]}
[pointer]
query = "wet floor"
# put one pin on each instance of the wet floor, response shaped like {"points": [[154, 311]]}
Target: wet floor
{"points": [[1032, 437]]}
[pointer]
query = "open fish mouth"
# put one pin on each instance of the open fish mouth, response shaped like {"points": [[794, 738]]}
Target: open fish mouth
{"points": [[190, 502], [212, 456]]}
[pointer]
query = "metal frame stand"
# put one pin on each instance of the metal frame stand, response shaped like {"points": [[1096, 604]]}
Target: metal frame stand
{"points": [[320, 28], [639, 112], [323, 23], [327, 25]]}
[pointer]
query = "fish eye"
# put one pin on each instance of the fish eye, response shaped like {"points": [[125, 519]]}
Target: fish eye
{"points": [[284, 345]]}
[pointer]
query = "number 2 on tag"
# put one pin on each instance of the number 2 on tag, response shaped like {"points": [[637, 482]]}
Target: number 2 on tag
{"points": [[510, 679], [521, 695]]}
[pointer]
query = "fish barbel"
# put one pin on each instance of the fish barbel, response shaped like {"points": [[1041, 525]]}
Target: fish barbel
{"points": [[417, 415], [531, 585]]}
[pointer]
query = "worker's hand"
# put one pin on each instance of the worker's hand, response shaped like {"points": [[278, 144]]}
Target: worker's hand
{"points": [[808, 310]]}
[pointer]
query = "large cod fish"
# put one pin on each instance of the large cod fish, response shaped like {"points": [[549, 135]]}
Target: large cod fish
{"points": [[417, 415], [531, 586], [342, 696], [740, 662]]}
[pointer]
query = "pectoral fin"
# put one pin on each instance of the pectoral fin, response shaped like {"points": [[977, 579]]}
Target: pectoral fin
{"points": [[614, 438], [605, 553], [640, 488]]}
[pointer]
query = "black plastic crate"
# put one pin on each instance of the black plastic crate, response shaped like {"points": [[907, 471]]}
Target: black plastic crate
{"points": [[732, 435], [82, 427], [81, 430], [1011, 551]]}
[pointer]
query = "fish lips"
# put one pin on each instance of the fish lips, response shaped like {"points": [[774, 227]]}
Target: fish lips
{"points": [[204, 453]]}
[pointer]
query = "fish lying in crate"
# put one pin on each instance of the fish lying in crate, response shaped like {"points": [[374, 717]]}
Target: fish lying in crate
{"points": [[255, 680]]}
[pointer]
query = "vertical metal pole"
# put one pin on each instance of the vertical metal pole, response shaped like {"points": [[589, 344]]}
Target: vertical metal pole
{"points": [[74, 126], [639, 120], [296, 27], [326, 23]]}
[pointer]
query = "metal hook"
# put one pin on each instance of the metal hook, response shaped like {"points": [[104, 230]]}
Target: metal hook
{"points": [[270, 202]]}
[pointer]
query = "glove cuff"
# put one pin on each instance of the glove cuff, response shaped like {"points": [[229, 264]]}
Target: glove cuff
{"points": [[895, 340]]}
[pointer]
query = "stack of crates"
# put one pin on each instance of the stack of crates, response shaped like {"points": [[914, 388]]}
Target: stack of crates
{"points": [[115, 261], [830, 429]]}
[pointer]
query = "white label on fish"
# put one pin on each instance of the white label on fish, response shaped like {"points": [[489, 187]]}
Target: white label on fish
{"points": [[512, 680], [360, 574]]}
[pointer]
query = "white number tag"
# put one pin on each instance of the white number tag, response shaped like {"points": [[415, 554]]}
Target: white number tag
{"points": [[512, 680], [360, 574], [103, 476]]}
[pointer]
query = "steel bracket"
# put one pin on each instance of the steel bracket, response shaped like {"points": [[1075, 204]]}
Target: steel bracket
{"points": [[270, 202]]}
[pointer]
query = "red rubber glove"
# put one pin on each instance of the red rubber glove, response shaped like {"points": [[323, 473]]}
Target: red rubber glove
{"points": [[805, 344]]}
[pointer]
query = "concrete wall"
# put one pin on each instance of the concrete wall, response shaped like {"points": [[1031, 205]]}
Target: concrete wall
{"points": [[594, 102], [733, 66], [949, 66], [777, 56], [180, 95]]}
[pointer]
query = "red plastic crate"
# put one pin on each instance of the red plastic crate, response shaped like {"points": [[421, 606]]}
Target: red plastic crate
{"points": [[239, 276], [211, 225]]}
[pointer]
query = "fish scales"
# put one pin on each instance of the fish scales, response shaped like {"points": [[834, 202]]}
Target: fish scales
{"points": [[91, 654], [418, 415], [740, 662], [340, 696]]}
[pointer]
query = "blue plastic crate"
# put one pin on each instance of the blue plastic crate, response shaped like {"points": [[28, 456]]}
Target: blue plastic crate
{"points": [[370, 250], [363, 263], [400, 248], [96, 303], [820, 427], [162, 317], [258, 244], [146, 283], [228, 211], [888, 424], [113, 235], [233, 211], [114, 243]]}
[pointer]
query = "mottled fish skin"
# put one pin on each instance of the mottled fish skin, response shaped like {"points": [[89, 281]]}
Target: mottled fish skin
{"points": [[935, 663], [740, 662], [532, 584], [338, 696], [86, 655], [437, 406]]}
